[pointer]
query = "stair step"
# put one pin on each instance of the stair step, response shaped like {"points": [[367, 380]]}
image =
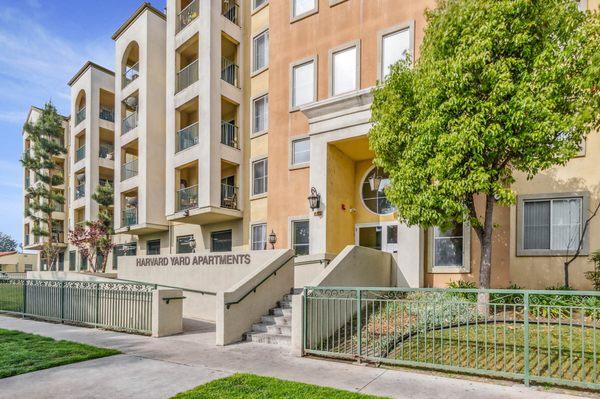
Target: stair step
{"points": [[266, 338], [281, 312], [260, 327], [285, 304], [276, 320], [279, 330]]}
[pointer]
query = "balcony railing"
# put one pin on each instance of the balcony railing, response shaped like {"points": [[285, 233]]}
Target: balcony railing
{"points": [[58, 207], [106, 151], [187, 198], [229, 135], [187, 15], [27, 239], [80, 153], [131, 73], [229, 196], [187, 137], [231, 11], [130, 216], [103, 182], [129, 170], [80, 116], [80, 191], [129, 123], [229, 72], [187, 76], [58, 236], [108, 114]]}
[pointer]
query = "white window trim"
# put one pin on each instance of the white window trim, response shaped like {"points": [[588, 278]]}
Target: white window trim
{"points": [[291, 221], [335, 2], [315, 60], [362, 200], [252, 102], [291, 164], [410, 25], [296, 18], [258, 223], [340, 49], [253, 72], [260, 7], [466, 263], [252, 162], [585, 206]]}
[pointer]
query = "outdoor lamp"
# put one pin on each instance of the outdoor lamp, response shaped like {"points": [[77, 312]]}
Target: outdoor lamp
{"points": [[375, 181], [192, 244], [272, 239], [314, 199]]}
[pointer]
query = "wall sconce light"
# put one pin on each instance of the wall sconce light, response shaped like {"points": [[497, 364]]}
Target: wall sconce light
{"points": [[375, 181], [193, 245], [314, 199], [272, 239]]}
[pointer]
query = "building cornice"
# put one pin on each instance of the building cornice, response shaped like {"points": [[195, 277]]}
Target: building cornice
{"points": [[338, 105], [134, 16], [85, 67]]}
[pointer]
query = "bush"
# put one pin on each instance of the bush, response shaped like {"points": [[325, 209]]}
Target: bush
{"points": [[594, 275]]}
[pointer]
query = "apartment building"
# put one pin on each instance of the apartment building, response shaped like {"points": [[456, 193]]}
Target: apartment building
{"points": [[243, 125]]}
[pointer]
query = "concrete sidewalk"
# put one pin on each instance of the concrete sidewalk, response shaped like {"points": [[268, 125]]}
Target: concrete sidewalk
{"points": [[160, 368]]}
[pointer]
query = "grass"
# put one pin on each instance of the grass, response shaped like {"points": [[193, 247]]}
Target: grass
{"points": [[22, 353], [248, 386], [11, 297]]}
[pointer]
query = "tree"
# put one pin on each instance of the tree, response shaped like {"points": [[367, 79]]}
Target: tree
{"points": [[91, 241], [46, 136], [500, 86], [104, 197], [7, 243], [570, 258]]}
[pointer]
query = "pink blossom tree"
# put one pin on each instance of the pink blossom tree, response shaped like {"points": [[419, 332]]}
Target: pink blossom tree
{"points": [[92, 240]]}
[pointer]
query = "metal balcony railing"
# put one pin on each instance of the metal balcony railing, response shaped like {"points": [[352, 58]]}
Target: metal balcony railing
{"points": [[80, 153], [108, 114], [229, 196], [231, 11], [229, 72], [187, 198], [129, 170], [130, 216], [187, 76], [129, 123], [80, 191], [229, 135], [80, 116], [187, 15], [187, 137], [106, 151], [131, 73]]}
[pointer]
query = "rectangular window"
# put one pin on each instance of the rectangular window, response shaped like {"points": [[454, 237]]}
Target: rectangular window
{"points": [[220, 241], [344, 71], [394, 47], [259, 237], [258, 3], [123, 250], [83, 266], [300, 151], [300, 237], [61, 261], [303, 84], [260, 51], [552, 224], [72, 260], [300, 7], [186, 244], [260, 114], [260, 176], [448, 246], [153, 247]]}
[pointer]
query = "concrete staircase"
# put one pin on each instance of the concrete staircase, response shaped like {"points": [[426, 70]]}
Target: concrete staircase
{"points": [[275, 328]]}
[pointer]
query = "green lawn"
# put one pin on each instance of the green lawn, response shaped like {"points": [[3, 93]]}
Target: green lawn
{"points": [[248, 386], [11, 297], [23, 353]]}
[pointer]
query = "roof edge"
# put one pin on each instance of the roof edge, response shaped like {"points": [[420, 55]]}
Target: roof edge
{"points": [[89, 64], [145, 6]]}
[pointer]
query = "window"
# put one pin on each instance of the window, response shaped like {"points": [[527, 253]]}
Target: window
{"points": [[260, 51], [260, 114], [301, 7], [72, 260], [153, 247], [83, 266], [300, 238], [123, 250], [258, 3], [394, 47], [300, 151], [186, 244], [450, 249], [220, 241], [373, 192], [344, 66], [28, 267], [550, 226], [303, 83], [259, 177], [259, 237], [61, 261]]}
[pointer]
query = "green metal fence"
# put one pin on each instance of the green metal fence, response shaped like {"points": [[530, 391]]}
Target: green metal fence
{"points": [[114, 306], [541, 336]]}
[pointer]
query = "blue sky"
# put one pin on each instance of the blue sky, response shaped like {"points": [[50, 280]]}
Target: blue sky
{"points": [[42, 45]]}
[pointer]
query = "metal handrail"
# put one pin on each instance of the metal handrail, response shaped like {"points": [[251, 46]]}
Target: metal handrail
{"points": [[187, 75], [187, 15], [187, 137], [190, 194], [129, 169], [231, 12], [229, 135], [229, 72]]}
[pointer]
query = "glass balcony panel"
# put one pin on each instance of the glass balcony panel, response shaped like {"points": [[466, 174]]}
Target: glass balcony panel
{"points": [[229, 72], [187, 76], [129, 123], [80, 191], [229, 195], [80, 116], [129, 170], [130, 216], [187, 137], [187, 198], [187, 15], [229, 135], [108, 114], [106, 151], [80, 153], [131, 73], [231, 11]]}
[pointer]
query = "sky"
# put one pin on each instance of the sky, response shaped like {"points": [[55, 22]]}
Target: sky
{"points": [[42, 45]]}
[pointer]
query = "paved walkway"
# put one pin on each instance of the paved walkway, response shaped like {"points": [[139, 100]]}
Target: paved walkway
{"points": [[160, 368]]}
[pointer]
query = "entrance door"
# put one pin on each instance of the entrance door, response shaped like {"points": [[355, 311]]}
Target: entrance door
{"points": [[380, 236]]}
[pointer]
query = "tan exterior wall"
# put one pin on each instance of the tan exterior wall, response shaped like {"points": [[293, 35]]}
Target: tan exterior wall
{"points": [[18, 263]]}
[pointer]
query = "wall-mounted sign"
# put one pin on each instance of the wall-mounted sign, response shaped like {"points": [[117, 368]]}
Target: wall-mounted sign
{"points": [[194, 260]]}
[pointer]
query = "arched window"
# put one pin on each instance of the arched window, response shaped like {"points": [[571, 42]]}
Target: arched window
{"points": [[130, 67], [373, 192], [80, 107]]}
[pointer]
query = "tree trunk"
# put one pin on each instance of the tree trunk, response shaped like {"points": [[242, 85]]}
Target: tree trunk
{"points": [[485, 261], [567, 274]]}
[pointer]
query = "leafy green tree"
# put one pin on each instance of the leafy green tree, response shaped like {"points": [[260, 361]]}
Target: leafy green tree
{"points": [[46, 136], [104, 196], [500, 86], [7, 243]]}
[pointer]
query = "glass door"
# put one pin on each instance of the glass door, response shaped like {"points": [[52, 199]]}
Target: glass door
{"points": [[380, 236]]}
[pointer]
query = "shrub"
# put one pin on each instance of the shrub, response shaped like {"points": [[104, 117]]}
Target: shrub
{"points": [[594, 275]]}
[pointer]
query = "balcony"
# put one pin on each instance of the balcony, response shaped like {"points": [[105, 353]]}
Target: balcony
{"points": [[80, 153], [80, 116], [187, 137], [229, 72], [130, 217], [58, 236], [187, 15], [129, 123], [106, 151], [107, 114], [80, 191], [231, 11], [58, 207], [229, 135], [131, 73], [129, 170], [229, 196], [187, 198], [187, 76]]}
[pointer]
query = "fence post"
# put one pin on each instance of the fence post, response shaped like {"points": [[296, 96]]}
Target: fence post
{"points": [[304, 322], [526, 337], [97, 304], [359, 323], [24, 298], [62, 301]]}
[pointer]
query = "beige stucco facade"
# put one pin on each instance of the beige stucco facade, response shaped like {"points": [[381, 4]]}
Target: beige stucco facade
{"points": [[17, 262]]}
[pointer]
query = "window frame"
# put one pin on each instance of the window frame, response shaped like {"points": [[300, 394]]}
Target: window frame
{"points": [[254, 100], [410, 25], [315, 61], [331, 72], [256, 8], [253, 162], [466, 262], [306, 14], [258, 71], [266, 239], [300, 165], [153, 241], [521, 199], [213, 233], [291, 235], [178, 245]]}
